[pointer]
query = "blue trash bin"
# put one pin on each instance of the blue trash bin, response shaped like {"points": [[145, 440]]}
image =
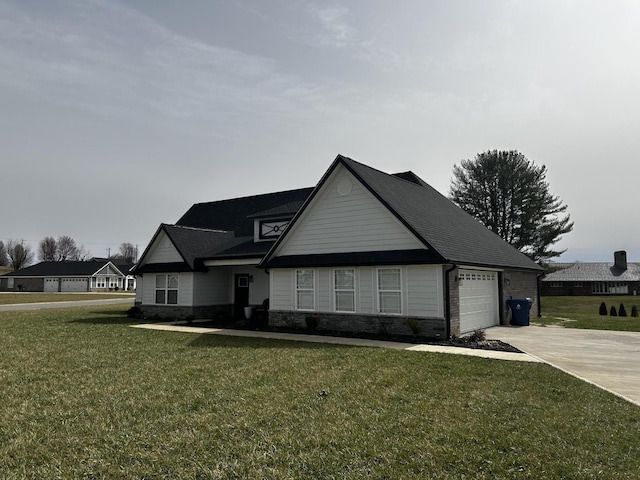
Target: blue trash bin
{"points": [[519, 310]]}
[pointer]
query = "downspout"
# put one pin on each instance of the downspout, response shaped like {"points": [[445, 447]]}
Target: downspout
{"points": [[538, 277], [447, 299]]}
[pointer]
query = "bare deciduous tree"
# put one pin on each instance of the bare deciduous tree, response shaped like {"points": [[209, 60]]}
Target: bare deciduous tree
{"points": [[67, 249], [19, 254], [128, 252], [4, 261], [47, 249]]}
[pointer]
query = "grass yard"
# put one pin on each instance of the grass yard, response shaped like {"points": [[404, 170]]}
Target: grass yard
{"points": [[16, 298], [582, 312], [82, 395]]}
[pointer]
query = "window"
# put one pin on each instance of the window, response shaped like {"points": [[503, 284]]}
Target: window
{"points": [[167, 289], [344, 286], [577, 284], [556, 284], [101, 282], [619, 288], [305, 290], [389, 291]]}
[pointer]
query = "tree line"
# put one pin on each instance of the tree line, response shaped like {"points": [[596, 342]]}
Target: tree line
{"points": [[16, 254]]}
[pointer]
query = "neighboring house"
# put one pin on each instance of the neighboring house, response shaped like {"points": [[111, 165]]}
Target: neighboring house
{"points": [[69, 276], [363, 251], [593, 278]]}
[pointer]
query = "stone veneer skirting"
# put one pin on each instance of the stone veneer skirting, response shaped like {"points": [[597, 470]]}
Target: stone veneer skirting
{"points": [[360, 323], [171, 312]]}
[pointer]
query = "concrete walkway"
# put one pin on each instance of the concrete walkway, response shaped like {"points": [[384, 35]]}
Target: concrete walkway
{"points": [[359, 342], [610, 360]]}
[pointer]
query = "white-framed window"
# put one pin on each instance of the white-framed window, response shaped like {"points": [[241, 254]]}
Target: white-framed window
{"points": [[167, 289], [556, 284], [344, 290], [101, 282], [305, 289], [390, 291], [114, 282]]}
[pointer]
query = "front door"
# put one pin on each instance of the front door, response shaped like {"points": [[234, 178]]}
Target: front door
{"points": [[241, 294]]}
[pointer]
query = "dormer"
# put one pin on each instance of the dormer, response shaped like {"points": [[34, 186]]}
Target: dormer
{"points": [[268, 225]]}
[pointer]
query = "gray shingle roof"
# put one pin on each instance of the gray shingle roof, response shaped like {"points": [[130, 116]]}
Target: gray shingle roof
{"points": [[60, 269], [593, 272]]}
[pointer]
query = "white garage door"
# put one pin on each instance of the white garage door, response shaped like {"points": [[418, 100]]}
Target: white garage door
{"points": [[50, 284], [478, 300], [74, 285]]}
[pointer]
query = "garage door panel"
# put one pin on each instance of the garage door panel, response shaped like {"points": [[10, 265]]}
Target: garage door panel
{"points": [[478, 300], [74, 285]]}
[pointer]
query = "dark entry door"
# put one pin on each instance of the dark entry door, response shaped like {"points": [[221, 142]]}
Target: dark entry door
{"points": [[241, 294]]}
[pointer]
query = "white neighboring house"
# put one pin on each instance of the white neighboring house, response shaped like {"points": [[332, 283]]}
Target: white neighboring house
{"points": [[363, 251]]}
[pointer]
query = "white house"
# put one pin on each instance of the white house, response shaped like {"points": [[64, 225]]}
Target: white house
{"points": [[363, 251]]}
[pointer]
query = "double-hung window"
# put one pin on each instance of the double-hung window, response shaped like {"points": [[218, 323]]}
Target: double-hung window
{"points": [[167, 289], [390, 291], [305, 290], [344, 287]]}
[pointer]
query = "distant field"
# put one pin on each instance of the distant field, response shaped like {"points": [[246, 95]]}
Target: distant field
{"points": [[14, 298], [582, 312]]}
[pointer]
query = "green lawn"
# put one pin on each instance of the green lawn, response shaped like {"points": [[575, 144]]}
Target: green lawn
{"points": [[12, 298], [582, 312], [82, 395]]}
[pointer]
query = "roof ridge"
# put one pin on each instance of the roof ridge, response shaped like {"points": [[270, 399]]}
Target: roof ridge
{"points": [[253, 196], [184, 227]]}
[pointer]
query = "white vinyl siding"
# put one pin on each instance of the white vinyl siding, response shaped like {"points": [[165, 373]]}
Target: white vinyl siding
{"points": [[425, 291], [356, 222], [212, 287], [281, 287], [163, 251]]}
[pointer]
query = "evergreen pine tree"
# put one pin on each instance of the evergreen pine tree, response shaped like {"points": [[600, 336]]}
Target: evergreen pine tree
{"points": [[621, 311], [613, 312], [603, 309]]}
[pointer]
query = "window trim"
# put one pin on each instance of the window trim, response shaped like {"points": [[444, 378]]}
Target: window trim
{"points": [[166, 289], [337, 290], [400, 292], [297, 289]]}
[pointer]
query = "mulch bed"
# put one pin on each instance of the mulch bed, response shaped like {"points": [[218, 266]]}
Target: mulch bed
{"points": [[461, 342]]}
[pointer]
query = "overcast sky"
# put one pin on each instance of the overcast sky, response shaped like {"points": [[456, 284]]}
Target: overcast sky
{"points": [[119, 115]]}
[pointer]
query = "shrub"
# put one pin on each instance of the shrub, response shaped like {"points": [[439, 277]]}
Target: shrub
{"points": [[613, 312], [134, 312], [634, 311], [621, 311], [603, 309], [312, 322], [414, 326], [478, 335]]}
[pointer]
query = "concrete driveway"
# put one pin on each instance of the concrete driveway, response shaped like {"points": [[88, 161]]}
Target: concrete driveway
{"points": [[610, 360]]}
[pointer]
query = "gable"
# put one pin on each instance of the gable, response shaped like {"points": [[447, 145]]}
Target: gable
{"points": [[162, 251], [345, 217], [108, 269]]}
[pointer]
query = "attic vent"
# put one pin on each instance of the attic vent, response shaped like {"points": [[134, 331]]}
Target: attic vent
{"points": [[345, 186]]}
